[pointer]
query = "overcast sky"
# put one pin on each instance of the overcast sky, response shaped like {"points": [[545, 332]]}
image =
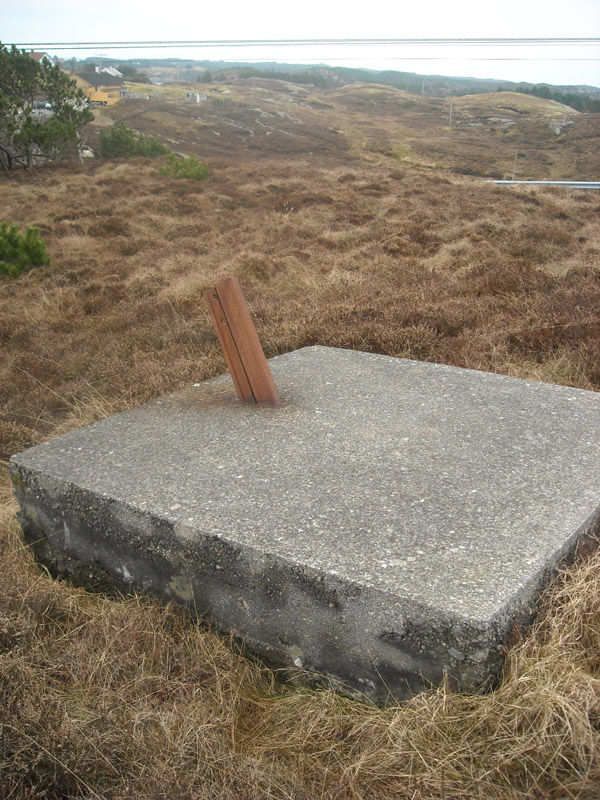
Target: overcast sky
{"points": [[26, 21]]}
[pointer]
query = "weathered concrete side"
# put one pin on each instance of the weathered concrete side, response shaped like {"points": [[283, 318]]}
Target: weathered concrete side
{"points": [[380, 536], [292, 614]]}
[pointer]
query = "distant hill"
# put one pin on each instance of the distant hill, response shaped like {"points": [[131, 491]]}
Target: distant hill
{"points": [[487, 134], [323, 76]]}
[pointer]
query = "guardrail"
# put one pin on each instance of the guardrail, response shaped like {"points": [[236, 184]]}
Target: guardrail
{"points": [[567, 184]]}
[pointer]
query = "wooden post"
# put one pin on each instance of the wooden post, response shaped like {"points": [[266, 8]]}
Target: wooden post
{"points": [[240, 343]]}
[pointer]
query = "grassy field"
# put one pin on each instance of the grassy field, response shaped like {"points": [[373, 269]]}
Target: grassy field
{"points": [[350, 221]]}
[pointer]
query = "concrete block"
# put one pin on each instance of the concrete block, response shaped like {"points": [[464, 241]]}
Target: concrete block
{"points": [[391, 522]]}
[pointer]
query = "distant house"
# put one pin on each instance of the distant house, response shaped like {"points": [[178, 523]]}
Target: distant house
{"points": [[112, 71], [39, 57], [101, 87]]}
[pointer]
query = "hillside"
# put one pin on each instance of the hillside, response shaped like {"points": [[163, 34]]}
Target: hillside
{"points": [[274, 119], [354, 217], [165, 70]]}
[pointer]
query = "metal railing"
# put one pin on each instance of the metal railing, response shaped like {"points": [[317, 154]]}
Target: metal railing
{"points": [[567, 184]]}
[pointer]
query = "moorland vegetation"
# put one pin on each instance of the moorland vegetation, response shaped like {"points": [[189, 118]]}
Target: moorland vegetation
{"points": [[354, 218]]}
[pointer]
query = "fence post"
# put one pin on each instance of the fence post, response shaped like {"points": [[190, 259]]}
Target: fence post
{"points": [[240, 343]]}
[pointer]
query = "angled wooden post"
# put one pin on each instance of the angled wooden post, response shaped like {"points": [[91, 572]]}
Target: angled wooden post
{"points": [[240, 343]]}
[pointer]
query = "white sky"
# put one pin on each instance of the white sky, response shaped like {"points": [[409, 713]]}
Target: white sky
{"points": [[135, 20]]}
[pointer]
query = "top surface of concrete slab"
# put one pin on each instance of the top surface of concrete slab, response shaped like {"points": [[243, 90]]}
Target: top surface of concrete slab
{"points": [[447, 487]]}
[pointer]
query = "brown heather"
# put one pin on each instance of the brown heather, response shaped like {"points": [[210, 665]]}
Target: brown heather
{"points": [[351, 245]]}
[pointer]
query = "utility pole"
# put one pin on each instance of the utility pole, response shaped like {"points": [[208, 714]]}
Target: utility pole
{"points": [[423, 88], [451, 106]]}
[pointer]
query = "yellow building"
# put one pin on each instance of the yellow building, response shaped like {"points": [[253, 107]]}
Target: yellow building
{"points": [[101, 87]]}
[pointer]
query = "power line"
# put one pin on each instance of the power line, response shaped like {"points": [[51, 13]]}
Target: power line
{"points": [[461, 42], [361, 59]]}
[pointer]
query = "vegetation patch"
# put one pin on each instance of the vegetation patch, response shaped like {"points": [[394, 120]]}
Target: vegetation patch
{"points": [[18, 252], [122, 142], [184, 167]]}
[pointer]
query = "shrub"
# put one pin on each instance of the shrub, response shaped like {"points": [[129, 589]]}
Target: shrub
{"points": [[17, 252], [184, 167], [121, 142]]}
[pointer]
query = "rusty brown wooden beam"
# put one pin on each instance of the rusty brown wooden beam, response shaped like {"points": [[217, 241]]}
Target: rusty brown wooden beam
{"points": [[232, 357], [240, 343]]}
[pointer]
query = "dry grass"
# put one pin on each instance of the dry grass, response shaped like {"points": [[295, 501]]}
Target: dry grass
{"points": [[121, 697]]}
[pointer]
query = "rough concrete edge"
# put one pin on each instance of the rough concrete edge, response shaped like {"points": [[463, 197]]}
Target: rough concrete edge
{"points": [[458, 665], [524, 606], [18, 470]]}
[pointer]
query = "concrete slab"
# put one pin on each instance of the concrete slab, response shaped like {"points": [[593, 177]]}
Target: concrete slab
{"points": [[391, 522]]}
